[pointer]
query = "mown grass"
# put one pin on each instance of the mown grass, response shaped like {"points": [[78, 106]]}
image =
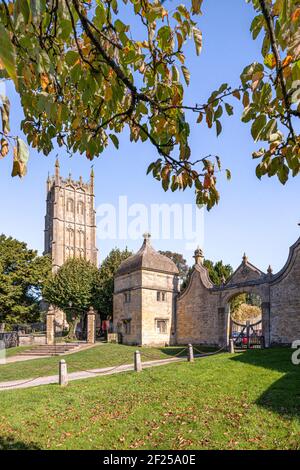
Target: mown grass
{"points": [[102, 355], [243, 401]]}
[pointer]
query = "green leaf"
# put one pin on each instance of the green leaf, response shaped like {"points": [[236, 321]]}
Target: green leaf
{"points": [[115, 140], [5, 112], [229, 109], [228, 174], [219, 127], [7, 54], [258, 126], [257, 25], [21, 6]]}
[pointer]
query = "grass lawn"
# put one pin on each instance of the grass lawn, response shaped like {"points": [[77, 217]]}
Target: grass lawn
{"points": [[249, 400], [102, 355]]}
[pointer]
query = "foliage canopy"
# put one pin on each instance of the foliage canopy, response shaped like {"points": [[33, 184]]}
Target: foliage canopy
{"points": [[83, 76]]}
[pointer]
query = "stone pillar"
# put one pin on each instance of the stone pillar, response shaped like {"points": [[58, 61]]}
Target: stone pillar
{"points": [[50, 326], [231, 346], [190, 357], [63, 373], [91, 326], [265, 313], [137, 361]]}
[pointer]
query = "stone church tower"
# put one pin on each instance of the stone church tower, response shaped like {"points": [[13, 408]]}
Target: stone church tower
{"points": [[70, 222]]}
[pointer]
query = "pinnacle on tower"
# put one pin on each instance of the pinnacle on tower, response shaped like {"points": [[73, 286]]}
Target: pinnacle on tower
{"points": [[57, 170]]}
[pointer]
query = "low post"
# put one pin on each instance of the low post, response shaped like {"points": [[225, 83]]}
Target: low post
{"points": [[231, 346], [63, 373], [2, 353], [91, 326], [190, 353], [137, 361]]}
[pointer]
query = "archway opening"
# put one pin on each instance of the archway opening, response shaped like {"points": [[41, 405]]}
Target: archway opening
{"points": [[245, 315]]}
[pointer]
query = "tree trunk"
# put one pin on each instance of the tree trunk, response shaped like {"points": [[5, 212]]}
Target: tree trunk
{"points": [[72, 329]]}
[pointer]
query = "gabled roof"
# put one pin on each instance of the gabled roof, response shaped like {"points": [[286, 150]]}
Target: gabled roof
{"points": [[245, 272]]}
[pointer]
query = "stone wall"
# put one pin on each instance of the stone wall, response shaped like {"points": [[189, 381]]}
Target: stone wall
{"points": [[285, 300], [128, 311], [197, 312], [154, 310], [30, 340]]}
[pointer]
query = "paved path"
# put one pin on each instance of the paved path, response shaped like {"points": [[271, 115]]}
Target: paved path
{"points": [[53, 379]]}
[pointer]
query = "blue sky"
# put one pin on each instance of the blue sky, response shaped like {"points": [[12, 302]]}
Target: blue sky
{"points": [[258, 217]]}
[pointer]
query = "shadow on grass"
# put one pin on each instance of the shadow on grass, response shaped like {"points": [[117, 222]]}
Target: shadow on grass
{"points": [[283, 396], [7, 443]]}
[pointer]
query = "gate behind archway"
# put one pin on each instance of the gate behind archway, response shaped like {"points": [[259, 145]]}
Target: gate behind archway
{"points": [[247, 335]]}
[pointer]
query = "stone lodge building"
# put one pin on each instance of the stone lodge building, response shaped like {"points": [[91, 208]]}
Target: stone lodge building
{"points": [[148, 309], [146, 287]]}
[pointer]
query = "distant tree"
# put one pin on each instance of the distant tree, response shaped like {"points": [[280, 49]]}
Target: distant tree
{"points": [[218, 272], [186, 281], [180, 262], [105, 285], [22, 274], [73, 290]]}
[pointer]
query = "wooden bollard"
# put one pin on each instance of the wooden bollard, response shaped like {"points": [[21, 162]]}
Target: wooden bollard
{"points": [[63, 373], [190, 353], [137, 361], [231, 346]]}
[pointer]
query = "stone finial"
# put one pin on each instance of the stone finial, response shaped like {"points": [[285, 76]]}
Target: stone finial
{"points": [[92, 172], [147, 237], [91, 311], [199, 257], [270, 270], [223, 280], [51, 310], [245, 258]]}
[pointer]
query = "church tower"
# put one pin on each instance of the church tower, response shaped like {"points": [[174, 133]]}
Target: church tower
{"points": [[70, 222]]}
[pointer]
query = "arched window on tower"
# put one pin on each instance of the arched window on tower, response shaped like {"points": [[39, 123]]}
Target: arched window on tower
{"points": [[80, 208], [70, 205]]}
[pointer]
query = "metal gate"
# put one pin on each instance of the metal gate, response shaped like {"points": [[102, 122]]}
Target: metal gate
{"points": [[247, 336]]}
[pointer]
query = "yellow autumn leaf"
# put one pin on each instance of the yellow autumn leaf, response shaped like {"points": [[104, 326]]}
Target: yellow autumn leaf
{"points": [[44, 81]]}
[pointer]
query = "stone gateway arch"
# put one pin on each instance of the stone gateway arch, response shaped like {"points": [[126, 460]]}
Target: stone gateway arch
{"points": [[203, 309], [201, 314]]}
